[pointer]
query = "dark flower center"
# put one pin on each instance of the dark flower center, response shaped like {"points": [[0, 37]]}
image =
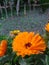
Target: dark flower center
{"points": [[28, 45]]}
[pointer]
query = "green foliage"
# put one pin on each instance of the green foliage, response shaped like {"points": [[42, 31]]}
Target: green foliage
{"points": [[44, 1], [44, 7]]}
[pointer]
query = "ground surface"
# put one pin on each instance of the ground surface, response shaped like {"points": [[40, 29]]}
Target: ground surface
{"points": [[33, 21]]}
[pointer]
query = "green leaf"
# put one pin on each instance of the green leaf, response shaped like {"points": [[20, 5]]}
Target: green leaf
{"points": [[48, 44], [46, 60], [22, 62], [43, 61], [2, 37]]}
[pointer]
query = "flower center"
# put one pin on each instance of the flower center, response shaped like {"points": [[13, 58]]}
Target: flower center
{"points": [[28, 45]]}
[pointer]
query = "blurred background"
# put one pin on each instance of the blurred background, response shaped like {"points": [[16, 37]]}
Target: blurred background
{"points": [[25, 15]]}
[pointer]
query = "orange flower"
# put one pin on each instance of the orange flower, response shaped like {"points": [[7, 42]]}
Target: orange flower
{"points": [[47, 27], [28, 43], [3, 47]]}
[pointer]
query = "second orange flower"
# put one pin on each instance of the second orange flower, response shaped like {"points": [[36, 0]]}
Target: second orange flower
{"points": [[47, 27]]}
